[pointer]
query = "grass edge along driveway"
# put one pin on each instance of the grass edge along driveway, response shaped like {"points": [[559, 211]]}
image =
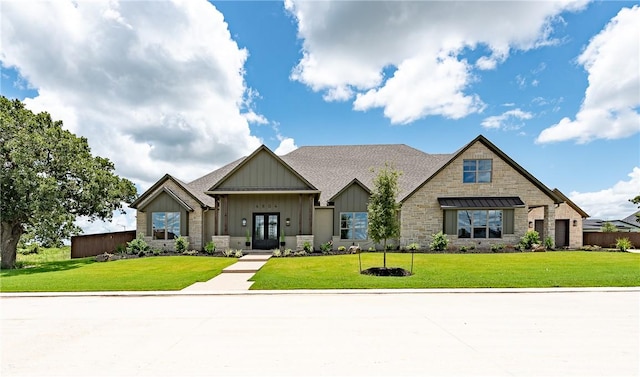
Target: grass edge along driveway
{"points": [[511, 270], [140, 274]]}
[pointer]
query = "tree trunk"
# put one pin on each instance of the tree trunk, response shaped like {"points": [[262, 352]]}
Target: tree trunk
{"points": [[9, 237], [384, 254]]}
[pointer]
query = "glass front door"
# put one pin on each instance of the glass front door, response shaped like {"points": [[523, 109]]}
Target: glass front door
{"points": [[265, 230]]}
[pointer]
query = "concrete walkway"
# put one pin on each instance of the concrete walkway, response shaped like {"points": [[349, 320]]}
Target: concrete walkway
{"points": [[235, 277]]}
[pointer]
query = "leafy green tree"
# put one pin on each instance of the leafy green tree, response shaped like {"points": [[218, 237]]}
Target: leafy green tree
{"points": [[608, 227], [48, 178], [636, 200], [383, 208]]}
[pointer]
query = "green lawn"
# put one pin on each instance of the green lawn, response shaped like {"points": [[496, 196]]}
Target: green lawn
{"points": [[518, 270], [142, 274]]}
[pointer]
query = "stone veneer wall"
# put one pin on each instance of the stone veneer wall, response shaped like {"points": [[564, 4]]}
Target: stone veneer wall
{"points": [[300, 240], [421, 215], [195, 219], [564, 212], [222, 242]]}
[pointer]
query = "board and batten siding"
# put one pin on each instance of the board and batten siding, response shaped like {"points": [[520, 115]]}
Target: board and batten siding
{"points": [[353, 199], [287, 205], [165, 203], [263, 172]]}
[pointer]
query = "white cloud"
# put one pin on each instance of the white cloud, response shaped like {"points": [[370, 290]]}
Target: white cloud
{"points": [[157, 87], [287, 145], [347, 45], [509, 120], [610, 106], [611, 203]]}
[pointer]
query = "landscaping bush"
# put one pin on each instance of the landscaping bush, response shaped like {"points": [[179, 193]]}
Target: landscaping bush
{"points": [[439, 242], [276, 253], [306, 246], [548, 243], [529, 239], [286, 253], [623, 244], [181, 244], [210, 247], [228, 253], [497, 248], [326, 247], [138, 245], [413, 246], [342, 248], [238, 254]]}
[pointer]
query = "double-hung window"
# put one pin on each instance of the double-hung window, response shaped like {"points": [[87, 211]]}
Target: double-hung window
{"points": [[480, 223], [353, 225], [166, 225], [476, 171]]}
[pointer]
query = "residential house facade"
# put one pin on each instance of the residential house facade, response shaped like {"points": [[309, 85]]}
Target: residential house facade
{"points": [[477, 195]]}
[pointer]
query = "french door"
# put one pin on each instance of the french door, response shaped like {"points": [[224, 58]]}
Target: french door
{"points": [[266, 230]]}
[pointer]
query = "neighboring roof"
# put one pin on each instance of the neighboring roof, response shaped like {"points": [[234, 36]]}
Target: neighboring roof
{"points": [[596, 224], [202, 199], [332, 168], [632, 219], [501, 154], [481, 202], [571, 204]]}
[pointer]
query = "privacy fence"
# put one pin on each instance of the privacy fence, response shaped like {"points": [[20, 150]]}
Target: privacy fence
{"points": [[94, 244], [609, 239]]}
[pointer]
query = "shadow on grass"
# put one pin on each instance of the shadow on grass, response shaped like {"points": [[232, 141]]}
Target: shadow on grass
{"points": [[48, 267]]}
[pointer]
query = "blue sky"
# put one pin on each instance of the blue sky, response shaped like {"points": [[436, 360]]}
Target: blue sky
{"points": [[163, 87]]}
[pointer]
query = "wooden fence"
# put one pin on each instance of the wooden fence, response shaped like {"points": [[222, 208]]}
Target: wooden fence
{"points": [[94, 244], [609, 239]]}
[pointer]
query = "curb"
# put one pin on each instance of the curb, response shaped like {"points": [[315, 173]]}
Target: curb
{"points": [[321, 292]]}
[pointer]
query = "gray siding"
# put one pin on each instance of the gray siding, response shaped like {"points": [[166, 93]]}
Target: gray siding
{"points": [[165, 203], [287, 205], [263, 172], [353, 199]]}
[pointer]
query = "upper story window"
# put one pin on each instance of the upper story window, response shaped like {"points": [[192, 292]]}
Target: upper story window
{"points": [[477, 171], [166, 225], [353, 225]]}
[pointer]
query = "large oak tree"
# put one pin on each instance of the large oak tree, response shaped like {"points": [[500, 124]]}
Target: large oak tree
{"points": [[49, 177]]}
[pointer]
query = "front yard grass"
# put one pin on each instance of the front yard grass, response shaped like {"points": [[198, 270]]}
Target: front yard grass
{"points": [[140, 274], [513, 270]]}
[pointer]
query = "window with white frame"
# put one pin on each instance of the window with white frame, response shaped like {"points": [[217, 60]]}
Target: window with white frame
{"points": [[480, 223], [166, 225], [477, 171], [353, 225]]}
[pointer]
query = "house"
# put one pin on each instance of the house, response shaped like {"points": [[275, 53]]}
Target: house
{"points": [[477, 195], [569, 220]]}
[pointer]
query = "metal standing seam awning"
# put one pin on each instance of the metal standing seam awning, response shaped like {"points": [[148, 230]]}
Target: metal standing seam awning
{"points": [[481, 202]]}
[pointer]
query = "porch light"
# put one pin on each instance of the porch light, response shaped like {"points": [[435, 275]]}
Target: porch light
{"points": [[287, 221], [244, 221], [530, 224], [575, 222]]}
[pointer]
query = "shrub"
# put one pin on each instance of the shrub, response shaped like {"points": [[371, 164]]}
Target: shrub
{"points": [[181, 244], [286, 253], [34, 248], [342, 248], [238, 254], [497, 247], [120, 249], [306, 246], [372, 248], [548, 243], [156, 252], [276, 253], [300, 253], [623, 244], [210, 247], [591, 247], [390, 247], [137, 245], [326, 247], [529, 239], [413, 246], [439, 242], [463, 249], [190, 252], [228, 253]]}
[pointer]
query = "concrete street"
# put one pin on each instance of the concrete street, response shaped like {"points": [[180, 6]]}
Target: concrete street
{"points": [[418, 333]]}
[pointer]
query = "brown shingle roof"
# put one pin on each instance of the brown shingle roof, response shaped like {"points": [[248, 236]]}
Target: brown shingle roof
{"points": [[331, 168]]}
